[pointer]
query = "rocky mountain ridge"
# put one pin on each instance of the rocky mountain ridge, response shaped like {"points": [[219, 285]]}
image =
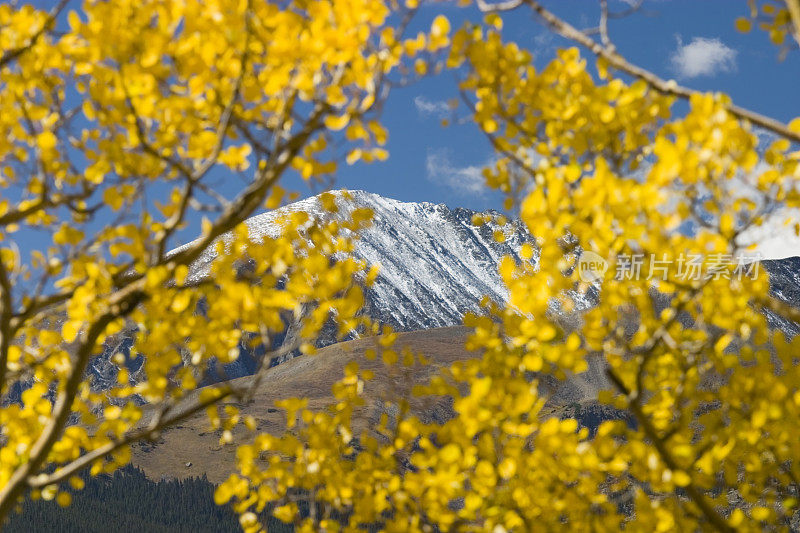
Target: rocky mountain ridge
{"points": [[435, 266]]}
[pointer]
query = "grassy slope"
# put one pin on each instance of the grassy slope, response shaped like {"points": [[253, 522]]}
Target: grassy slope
{"points": [[308, 376]]}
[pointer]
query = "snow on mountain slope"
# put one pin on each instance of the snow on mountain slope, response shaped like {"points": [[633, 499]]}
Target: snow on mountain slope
{"points": [[435, 265]]}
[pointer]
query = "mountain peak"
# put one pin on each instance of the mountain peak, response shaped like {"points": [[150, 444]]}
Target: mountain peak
{"points": [[435, 265]]}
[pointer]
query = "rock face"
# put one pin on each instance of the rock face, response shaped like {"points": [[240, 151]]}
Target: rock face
{"points": [[784, 284], [435, 266]]}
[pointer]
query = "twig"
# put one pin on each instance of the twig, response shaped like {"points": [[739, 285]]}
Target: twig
{"points": [[604, 38], [626, 12], [615, 60], [14, 53], [140, 434], [794, 13]]}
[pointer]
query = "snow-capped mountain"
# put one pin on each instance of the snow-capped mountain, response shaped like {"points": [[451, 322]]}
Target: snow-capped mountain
{"points": [[435, 265]]}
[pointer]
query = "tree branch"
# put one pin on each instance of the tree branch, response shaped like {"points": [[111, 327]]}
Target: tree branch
{"points": [[14, 53], [604, 38], [615, 60], [120, 305], [57, 200], [6, 312], [695, 495], [140, 434], [794, 13]]}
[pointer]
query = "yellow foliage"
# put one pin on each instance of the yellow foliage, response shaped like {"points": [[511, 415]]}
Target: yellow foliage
{"points": [[601, 164], [110, 131]]}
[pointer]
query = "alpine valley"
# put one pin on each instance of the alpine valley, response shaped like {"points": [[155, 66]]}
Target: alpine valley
{"points": [[435, 266]]}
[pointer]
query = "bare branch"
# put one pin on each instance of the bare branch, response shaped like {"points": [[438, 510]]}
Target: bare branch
{"points": [[221, 200], [491, 7], [604, 38], [6, 312], [615, 60], [626, 12]]}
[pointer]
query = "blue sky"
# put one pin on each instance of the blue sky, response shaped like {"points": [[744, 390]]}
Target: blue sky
{"points": [[692, 41]]}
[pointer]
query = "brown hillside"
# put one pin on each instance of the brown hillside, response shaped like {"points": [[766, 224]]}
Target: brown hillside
{"points": [[308, 376]]}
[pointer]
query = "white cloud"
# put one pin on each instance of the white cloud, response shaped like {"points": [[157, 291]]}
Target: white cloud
{"points": [[703, 57], [463, 180], [775, 238], [543, 43], [427, 107]]}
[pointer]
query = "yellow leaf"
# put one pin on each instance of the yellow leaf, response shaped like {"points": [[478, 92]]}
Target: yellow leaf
{"points": [[181, 301], [354, 156], [546, 333], [389, 357], [112, 197], [760, 513], [440, 26], [249, 519], [285, 513], [681, 478], [46, 141], [64, 499], [507, 468], [337, 123], [743, 24], [112, 412], [380, 154], [489, 125], [74, 20], [70, 330], [777, 36], [493, 19], [737, 516], [726, 224], [450, 453]]}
